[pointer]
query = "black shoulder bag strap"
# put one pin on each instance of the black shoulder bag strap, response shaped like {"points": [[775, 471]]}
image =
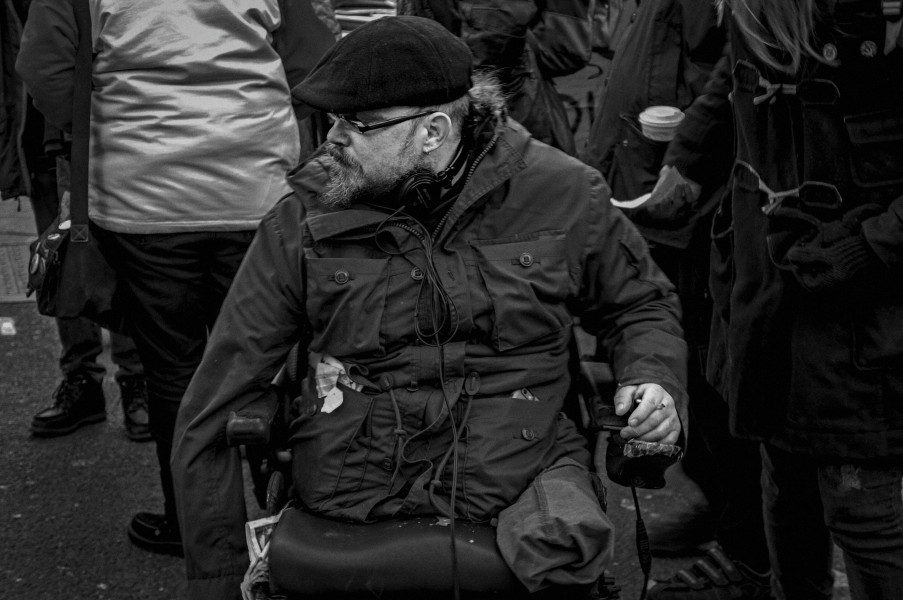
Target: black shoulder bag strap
{"points": [[81, 124]]}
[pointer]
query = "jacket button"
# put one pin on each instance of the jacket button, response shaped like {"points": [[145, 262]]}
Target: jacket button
{"points": [[868, 49], [829, 52], [526, 259], [388, 464], [416, 274], [341, 277], [528, 434]]}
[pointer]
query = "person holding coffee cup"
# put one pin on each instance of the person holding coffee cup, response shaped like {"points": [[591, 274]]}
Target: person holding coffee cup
{"points": [[661, 64]]}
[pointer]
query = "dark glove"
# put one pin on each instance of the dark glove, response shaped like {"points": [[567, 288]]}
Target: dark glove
{"points": [[836, 255]]}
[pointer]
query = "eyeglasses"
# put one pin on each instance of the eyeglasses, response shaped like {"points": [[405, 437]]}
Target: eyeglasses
{"points": [[355, 125]]}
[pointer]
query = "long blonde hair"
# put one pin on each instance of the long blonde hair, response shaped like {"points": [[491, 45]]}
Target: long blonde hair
{"points": [[779, 32]]}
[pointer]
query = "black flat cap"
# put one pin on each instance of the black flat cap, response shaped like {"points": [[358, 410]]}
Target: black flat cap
{"points": [[392, 61]]}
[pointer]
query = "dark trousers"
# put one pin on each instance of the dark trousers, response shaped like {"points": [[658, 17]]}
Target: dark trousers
{"points": [[174, 285], [727, 469], [729, 473], [810, 503], [81, 340]]}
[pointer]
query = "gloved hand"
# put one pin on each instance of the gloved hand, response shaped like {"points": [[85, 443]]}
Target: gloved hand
{"points": [[837, 254]]}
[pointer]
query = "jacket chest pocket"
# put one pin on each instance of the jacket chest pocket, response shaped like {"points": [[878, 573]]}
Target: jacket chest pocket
{"points": [[332, 453], [876, 142], [346, 299], [527, 282]]}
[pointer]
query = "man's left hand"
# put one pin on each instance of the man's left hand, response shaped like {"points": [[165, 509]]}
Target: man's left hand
{"points": [[655, 417]]}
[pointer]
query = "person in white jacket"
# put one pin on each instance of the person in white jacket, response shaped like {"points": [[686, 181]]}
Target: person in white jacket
{"points": [[192, 133]]}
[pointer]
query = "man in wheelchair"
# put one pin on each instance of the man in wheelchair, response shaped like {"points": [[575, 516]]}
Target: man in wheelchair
{"points": [[431, 263]]}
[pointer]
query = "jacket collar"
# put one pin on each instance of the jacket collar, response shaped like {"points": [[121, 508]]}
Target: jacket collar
{"points": [[501, 156], [501, 145]]}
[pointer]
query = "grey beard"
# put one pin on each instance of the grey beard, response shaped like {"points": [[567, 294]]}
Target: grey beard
{"points": [[340, 189], [347, 184]]}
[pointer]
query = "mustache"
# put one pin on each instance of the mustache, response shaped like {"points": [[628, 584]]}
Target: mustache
{"points": [[339, 156]]}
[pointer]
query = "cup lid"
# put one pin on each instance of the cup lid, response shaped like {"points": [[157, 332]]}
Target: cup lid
{"points": [[661, 115]]}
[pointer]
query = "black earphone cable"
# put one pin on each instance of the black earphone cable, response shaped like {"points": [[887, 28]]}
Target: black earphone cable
{"points": [[443, 319], [642, 544]]}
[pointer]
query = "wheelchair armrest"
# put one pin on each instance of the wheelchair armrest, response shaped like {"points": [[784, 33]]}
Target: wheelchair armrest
{"points": [[242, 430]]}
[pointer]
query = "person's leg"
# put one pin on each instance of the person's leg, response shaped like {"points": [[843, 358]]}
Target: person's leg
{"points": [[78, 400], [82, 344], [738, 565], [737, 464], [175, 284], [132, 387], [864, 512], [125, 356], [798, 541]]}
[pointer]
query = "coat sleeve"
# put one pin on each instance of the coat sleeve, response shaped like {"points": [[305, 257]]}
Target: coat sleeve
{"points": [[884, 234], [628, 302], [301, 39], [496, 32], [46, 61], [563, 36], [703, 147], [261, 318]]}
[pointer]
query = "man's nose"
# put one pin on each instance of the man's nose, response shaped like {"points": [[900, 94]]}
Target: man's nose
{"points": [[336, 134]]}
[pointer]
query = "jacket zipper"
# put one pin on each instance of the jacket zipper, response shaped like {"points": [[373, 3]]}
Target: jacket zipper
{"points": [[470, 173]]}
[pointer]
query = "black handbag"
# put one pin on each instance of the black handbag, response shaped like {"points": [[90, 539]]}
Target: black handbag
{"points": [[67, 268]]}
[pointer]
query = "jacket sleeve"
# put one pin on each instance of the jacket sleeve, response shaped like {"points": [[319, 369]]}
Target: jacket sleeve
{"points": [[628, 302], [261, 318], [563, 36], [46, 61], [496, 32], [301, 39], [703, 147], [884, 234]]}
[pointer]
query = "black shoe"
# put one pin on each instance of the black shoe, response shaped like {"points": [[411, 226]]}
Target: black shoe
{"points": [[155, 533], [77, 401], [683, 534], [133, 391], [715, 577]]}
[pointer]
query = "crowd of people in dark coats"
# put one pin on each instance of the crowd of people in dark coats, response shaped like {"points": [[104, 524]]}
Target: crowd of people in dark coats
{"points": [[765, 219]]}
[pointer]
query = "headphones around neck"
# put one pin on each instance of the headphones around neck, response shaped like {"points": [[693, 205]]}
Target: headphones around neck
{"points": [[419, 191], [422, 189]]}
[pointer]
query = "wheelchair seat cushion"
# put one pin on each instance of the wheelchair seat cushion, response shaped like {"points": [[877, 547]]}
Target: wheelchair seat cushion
{"points": [[312, 555]]}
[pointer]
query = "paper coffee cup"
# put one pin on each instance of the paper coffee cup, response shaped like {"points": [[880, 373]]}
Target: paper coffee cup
{"points": [[660, 123]]}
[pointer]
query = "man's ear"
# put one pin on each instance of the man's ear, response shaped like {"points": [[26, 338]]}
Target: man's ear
{"points": [[438, 131]]}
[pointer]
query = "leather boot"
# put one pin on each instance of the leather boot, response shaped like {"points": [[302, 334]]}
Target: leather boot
{"points": [[133, 390], [77, 401]]}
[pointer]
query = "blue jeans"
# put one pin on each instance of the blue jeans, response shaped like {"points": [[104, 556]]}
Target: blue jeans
{"points": [[811, 503]]}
